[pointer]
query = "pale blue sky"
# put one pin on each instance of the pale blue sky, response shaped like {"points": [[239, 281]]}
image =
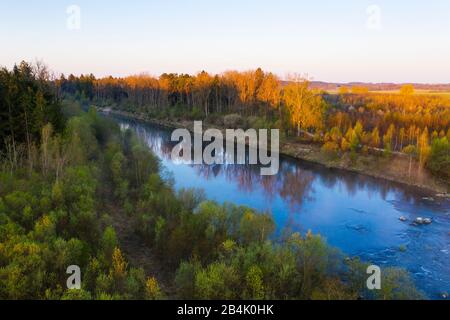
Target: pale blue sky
{"points": [[327, 39]]}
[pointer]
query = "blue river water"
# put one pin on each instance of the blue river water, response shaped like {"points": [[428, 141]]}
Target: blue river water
{"points": [[355, 213]]}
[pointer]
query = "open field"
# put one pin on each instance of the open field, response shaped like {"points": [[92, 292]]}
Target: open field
{"points": [[445, 94]]}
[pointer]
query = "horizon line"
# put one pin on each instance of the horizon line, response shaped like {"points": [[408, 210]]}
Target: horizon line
{"points": [[281, 78]]}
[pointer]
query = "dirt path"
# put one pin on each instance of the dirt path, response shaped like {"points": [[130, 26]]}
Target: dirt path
{"points": [[136, 251]]}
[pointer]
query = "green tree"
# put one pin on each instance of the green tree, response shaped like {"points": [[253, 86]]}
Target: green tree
{"points": [[439, 161], [254, 283], [217, 282], [109, 243], [397, 285]]}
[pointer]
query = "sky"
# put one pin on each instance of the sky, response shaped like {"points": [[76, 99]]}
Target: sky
{"points": [[328, 40]]}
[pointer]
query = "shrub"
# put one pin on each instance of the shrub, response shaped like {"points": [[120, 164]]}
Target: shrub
{"points": [[233, 121]]}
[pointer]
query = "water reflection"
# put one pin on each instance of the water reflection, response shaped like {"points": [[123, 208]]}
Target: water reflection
{"points": [[358, 214]]}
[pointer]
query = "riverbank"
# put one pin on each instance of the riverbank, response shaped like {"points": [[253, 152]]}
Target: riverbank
{"points": [[394, 168]]}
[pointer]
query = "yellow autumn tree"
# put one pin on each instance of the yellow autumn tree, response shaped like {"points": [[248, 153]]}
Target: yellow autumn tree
{"points": [[306, 107], [407, 90], [152, 289], [424, 148], [118, 271], [269, 90]]}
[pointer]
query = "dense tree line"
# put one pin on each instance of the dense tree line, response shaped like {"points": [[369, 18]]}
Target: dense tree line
{"points": [[27, 104], [217, 251], [354, 120], [61, 212], [49, 221], [53, 217]]}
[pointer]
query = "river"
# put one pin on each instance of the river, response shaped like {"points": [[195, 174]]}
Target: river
{"points": [[355, 213]]}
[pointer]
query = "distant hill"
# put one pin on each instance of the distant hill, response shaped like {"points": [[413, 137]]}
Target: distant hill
{"points": [[379, 86], [330, 86]]}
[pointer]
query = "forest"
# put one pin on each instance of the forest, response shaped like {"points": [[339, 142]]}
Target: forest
{"points": [[71, 181], [351, 121]]}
